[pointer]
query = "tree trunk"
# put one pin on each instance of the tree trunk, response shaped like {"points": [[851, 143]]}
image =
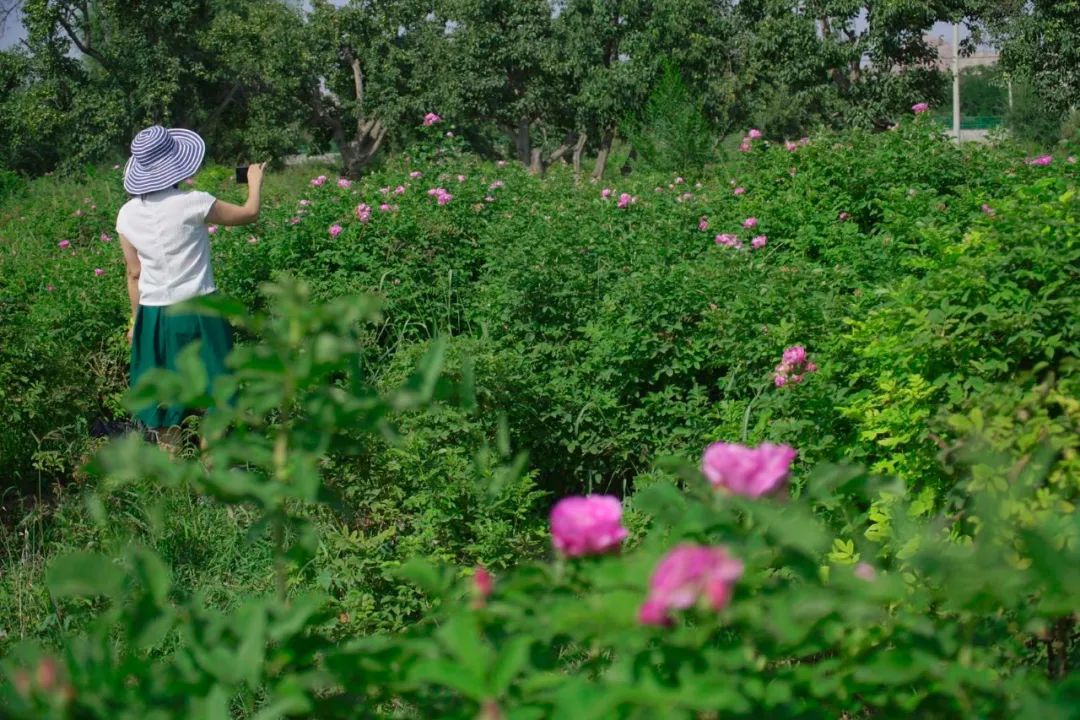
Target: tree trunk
{"points": [[1057, 647], [522, 143], [602, 156], [579, 148], [536, 162]]}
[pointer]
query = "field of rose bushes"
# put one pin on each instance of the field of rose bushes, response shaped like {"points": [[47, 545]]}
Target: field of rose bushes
{"points": [[792, 437]]}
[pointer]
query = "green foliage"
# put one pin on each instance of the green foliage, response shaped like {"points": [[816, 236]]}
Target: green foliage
{"points": [[598, 339], [671, 134]]}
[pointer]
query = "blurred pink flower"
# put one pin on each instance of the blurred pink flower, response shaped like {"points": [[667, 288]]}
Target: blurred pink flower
{"points": [[384, 190], [1071, 159], [988, 210], [791, 146], [744, 147], [919, 108], [750, 223], [844, 216], [305, 203], [50, 288], [754, 134], [703, 224], [189, 181], [1042, 160], [679, 181], [105, 237], [64, 244], [496, 185], [450, 133], [99, 272], [605, 193], [78, 213], [430, 119], [728, 240], [399, 190], [587, 525], [759, 242], [386, 207], [865, 571], [335, 230], [739, 191], [687, 575], [483, 585], [318, 181], [211, 229], [751, 472], [252, 240], [489, 199], [461, 178], [625, 201], [344, 183], [500, 163], [363, 212], [294, 221], [416, 174], [780, 380]]}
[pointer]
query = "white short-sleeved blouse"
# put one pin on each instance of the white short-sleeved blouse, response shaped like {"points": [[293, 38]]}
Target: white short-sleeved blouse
{"points": [[168, 229]]}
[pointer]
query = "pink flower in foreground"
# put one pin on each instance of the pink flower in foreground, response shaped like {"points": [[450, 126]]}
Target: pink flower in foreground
{"points": [[430, 119], [865, 571], [754, 134], [728, 240], [1042, 160], [386, 207], [189, 181], [316, 182], [587, 525], [99, 272], [443, 198], [399, 190], [687, 575], [779, 380], [344, 183], [363, 213], [750, 223], [703, 224], [751, 472], [744, 146], [335, 230], [105, 237], [920, 108], [759, 242], [795, 355], [605, 193], [625, 201], [416, 174], [211, 229], [64, 244], [739, 191]]}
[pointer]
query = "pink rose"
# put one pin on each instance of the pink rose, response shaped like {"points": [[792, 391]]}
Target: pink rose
{"points": [[363, 213], [99, 272], [625, 201], [483, 583], [728, 240], [105, 237], [751, 472], [759, 242], [790, 146], [64, 244], [211, 229], [316, 182], [496, 185], [754, 134], [399, 190], [988, 210], [587, 525], [335, 230], [920, 108], [739, 191], [1042, 160], [865, 571], [605, 193], [430, 119], [416, 174], [489, 199], [344, 183], [750, 223], [744, 147], [844, 216], [687, 575], [461, 178], [703, 224], [779, 380], [794, 355], [294, 220]]}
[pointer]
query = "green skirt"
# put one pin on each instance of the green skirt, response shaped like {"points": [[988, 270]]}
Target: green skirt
{"points": [[157, 341]]}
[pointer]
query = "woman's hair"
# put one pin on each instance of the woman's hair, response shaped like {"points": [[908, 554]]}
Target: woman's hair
{"points": [[142, 196]]}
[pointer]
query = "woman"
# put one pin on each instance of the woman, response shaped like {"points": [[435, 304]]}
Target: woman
{"points": [[166, 243]]}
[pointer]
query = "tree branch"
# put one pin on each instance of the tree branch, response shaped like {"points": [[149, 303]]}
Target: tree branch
{"points": [[84, 47]]}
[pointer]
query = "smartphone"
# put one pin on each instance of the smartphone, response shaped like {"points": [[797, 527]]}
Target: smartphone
{"points": [[241, 175]]}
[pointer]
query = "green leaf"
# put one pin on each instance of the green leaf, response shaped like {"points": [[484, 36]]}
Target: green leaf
{"points": [[84, 574]]}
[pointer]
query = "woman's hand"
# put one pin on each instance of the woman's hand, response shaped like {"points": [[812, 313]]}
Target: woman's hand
{"points": [[255, 174]]}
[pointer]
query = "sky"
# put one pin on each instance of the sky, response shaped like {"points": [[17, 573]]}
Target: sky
{"points": [[13, 32]]}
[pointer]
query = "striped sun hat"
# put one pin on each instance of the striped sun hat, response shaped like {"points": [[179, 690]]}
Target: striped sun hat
{"points": [[161, 158]]}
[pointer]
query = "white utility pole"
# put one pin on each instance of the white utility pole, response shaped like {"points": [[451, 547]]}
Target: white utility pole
{"points": [[956, 81]]}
